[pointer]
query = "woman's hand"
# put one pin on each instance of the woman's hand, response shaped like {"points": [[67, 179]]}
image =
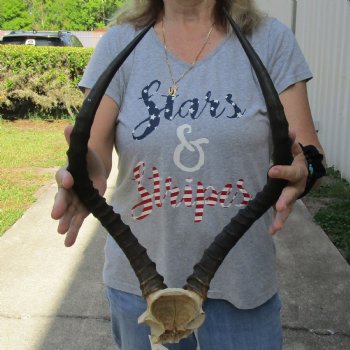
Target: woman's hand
{"points": [[67, 207], [296, 174]]}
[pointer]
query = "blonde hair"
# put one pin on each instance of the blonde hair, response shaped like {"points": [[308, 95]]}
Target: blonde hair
{"points": [[142, 12]]}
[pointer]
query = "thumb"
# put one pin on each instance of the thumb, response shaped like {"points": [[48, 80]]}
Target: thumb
{"points": [[67, 133]]}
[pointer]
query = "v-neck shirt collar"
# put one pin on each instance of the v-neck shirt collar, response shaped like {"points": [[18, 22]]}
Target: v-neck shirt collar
{"points": [[201, 61]]}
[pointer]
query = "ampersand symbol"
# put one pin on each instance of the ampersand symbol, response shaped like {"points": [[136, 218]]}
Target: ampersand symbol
{"points": [[191, 146]]}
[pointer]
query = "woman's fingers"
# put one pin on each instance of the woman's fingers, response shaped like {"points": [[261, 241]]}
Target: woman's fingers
{"points": [[71, 215], [67, 132], [283, 208], [64, 179], [66, 218], [61, 203], [279, 219], [67, 207], [285, 202], [295, 172], [63, 196], [296, 175], [71, 221], [74, 227]]}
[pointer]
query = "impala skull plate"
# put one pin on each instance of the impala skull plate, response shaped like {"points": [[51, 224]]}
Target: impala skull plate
{"points": [[172, 314]]}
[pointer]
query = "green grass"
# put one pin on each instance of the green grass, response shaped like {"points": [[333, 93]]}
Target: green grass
{"points": [[335, 217], [29, 152]]}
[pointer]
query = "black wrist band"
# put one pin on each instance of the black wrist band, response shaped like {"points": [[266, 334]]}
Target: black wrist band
{"points": [[315, 167]]}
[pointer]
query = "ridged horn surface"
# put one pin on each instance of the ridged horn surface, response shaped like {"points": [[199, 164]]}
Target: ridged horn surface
{"points": [[204, 271], [145, 269]]}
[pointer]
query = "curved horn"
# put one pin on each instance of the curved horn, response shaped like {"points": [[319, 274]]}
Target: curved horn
{"points": [[145, 269], [150, 280], [204, 271]]}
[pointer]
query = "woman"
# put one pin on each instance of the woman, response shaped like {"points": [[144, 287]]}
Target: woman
{"points": [[189, 123]]}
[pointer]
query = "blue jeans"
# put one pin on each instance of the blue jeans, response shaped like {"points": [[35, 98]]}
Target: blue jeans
{"points": [[225, 326]]}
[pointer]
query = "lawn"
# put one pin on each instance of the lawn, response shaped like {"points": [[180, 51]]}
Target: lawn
{"points": [[30, 151], [330, 206]]}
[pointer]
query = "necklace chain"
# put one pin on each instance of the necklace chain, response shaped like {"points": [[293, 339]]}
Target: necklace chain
{"points": [[174, 87]]}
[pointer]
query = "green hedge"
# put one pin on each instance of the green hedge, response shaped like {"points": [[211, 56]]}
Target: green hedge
{"points": [[40, 79]]}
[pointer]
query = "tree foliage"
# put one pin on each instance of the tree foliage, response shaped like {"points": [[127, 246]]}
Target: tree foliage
{"points": [[13, 14], [56, 14]]}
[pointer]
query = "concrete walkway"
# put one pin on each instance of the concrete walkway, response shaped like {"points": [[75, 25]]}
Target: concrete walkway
{"points": [[52, 298]]}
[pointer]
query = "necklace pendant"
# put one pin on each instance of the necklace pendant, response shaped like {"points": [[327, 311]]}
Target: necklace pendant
{"points": [[172, 90]]}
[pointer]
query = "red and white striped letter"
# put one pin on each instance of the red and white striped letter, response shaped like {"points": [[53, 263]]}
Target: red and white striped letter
{"points": [[146, 198]]}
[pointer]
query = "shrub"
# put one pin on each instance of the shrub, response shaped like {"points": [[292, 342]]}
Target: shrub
{"points": [[41, 79]]}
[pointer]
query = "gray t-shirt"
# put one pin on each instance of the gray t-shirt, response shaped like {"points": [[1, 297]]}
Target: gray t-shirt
{"points": [[188, 163]]}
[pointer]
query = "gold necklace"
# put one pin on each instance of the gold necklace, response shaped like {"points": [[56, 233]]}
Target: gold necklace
{"points": [[174, 87]]}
